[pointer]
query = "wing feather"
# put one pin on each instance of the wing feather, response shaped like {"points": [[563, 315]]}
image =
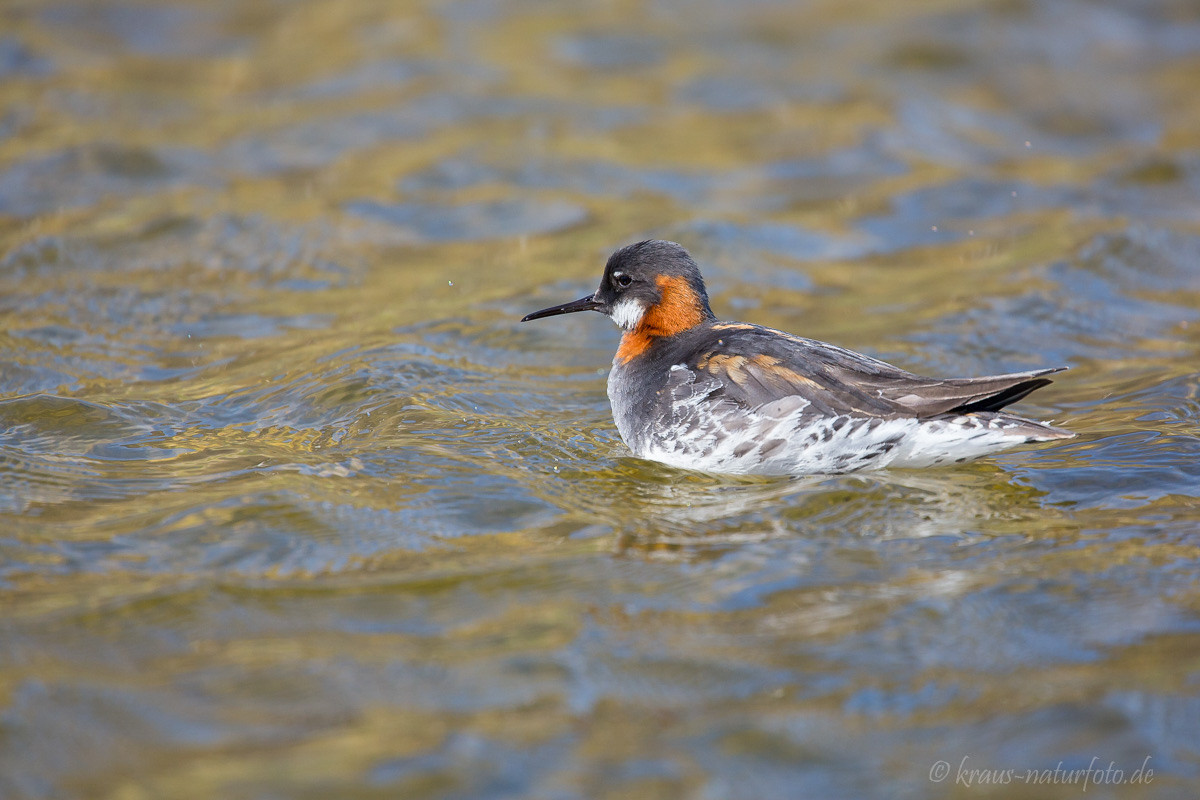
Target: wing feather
{"points": [[754, 366]]}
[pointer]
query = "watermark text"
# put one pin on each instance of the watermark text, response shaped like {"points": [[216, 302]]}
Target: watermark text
{"points": [[969, 772]]}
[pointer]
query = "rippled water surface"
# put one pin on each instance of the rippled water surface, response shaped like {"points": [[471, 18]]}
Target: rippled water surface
{"points": [[291, 504]]}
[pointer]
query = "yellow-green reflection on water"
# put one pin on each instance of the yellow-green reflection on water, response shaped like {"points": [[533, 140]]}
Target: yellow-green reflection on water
{"points": [[292, 506]]}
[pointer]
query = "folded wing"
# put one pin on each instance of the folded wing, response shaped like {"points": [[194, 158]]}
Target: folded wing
{"points": [[754, 366]]}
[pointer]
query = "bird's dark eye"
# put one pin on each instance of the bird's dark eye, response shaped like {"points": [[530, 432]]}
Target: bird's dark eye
{"points": [[622, 279]]}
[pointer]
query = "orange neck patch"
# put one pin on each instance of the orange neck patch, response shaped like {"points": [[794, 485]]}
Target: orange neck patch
{"points": [[680, 309]]}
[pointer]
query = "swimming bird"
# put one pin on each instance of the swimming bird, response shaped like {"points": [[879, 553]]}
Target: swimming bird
{"points": [[691, 391]]}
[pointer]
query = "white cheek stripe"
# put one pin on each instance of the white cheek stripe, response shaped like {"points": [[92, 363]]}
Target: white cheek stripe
{"points": [[627, 313]]}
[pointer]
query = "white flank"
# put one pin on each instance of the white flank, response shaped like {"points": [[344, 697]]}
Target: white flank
{"points": [[627, 313], [783, 437]]}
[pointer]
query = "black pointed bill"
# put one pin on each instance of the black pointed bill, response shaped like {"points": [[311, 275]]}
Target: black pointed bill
{"points": [[589, 303]]}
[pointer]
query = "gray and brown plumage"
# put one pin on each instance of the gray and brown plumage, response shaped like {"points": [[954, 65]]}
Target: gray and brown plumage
{"points": [[694, 392]]}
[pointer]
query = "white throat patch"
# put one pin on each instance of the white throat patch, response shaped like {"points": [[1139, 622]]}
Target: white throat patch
{"points": [[628, 312]]}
